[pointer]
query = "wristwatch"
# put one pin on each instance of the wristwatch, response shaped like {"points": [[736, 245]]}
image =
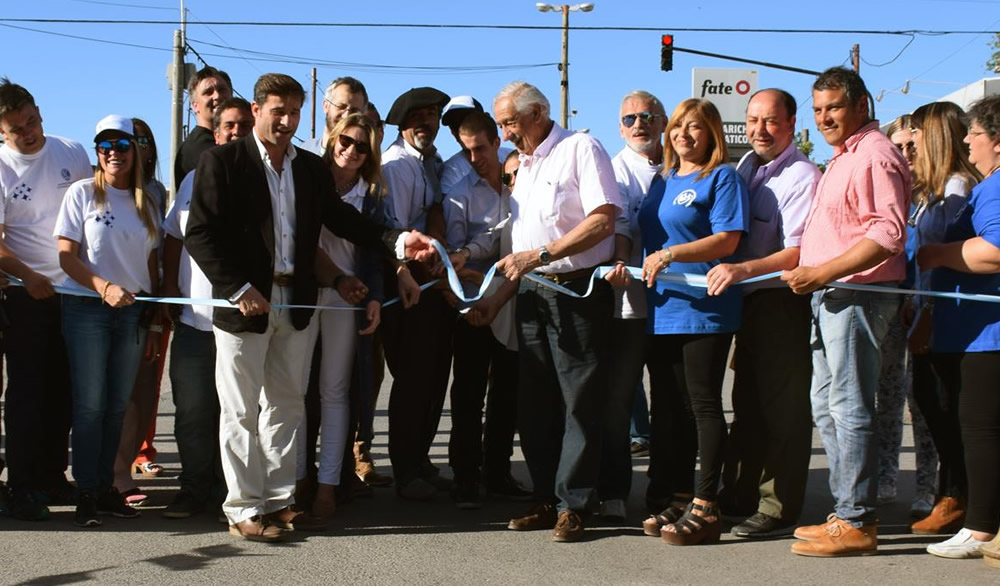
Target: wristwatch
{"points": [[543, 256]]}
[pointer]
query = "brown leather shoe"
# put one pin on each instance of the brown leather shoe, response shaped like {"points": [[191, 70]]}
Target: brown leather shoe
{"points": [[813, 532], [841, 539], [256, 529], [569, 528], [366, 471], [541, 516], [290, 519], [946, 518]]}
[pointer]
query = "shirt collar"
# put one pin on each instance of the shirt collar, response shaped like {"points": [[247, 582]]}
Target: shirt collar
{"points": [[639, 158], [852, 141], [289, 152], [412, 150], [555, 137]]}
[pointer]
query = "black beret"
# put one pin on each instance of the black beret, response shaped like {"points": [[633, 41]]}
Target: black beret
{"points": [[418, 97]]}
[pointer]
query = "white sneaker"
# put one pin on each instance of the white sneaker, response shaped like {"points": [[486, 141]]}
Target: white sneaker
{"points": [[961, 546], [613, 509]]}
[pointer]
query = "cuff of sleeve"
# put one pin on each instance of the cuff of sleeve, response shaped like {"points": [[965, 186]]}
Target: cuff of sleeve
{"points": [[400, 247], [893, 244], [236, 296]]}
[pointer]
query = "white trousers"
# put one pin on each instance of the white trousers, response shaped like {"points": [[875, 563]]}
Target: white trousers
{"points": [[261, 385], [338, 332]]}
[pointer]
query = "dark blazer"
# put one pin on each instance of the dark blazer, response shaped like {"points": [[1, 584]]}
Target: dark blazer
{"points": [[230, 231]]}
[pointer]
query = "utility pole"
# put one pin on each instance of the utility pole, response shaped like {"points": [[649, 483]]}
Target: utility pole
{"points": [[312, 131], [565, 67], [177, 104], [856, 58]]}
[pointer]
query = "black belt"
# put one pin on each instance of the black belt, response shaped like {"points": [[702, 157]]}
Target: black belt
{"points": [[568, 276], [284, 280]]}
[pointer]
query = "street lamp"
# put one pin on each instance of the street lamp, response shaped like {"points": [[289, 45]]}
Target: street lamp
{"points": [[564, 67]]}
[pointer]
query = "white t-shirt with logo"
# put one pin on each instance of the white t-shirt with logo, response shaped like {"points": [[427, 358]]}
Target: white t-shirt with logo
{"points": [[31, 192], [114, 243], [190, 280]]}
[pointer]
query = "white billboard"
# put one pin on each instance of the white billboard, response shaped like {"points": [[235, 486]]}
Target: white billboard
{"points": [[730, 91]]}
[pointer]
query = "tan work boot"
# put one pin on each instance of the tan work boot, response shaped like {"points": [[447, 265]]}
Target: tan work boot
{"points": [[946, 517], [991, 552], [365, 468], [813, 532], [841, 539]]}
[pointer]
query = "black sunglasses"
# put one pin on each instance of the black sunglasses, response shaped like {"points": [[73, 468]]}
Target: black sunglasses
{"points": [[144, 141], [122, 145], [361, 146], [648, 117], [508, 178]]}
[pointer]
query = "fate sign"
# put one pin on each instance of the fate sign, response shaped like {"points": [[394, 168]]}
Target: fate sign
{"points": [[730, 91]]}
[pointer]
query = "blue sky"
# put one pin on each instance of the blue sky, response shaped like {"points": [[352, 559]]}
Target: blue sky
{"points": [[76, 82]]}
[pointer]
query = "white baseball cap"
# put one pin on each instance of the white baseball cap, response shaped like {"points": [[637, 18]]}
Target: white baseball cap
{"points": [[116, 123]]}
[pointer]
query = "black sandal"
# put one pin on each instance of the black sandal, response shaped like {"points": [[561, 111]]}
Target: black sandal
{"points": [[693, 529], [667, 516]]}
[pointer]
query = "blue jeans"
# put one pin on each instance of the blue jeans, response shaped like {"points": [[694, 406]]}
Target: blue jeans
{"points": [[192, 376], [848, 328], [105, 346]]}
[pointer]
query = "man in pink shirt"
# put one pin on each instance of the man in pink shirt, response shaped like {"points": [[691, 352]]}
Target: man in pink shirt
{"points": [[854, 233]]}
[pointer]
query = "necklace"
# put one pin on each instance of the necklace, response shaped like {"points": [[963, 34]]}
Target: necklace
{"points": [[341, 190]]}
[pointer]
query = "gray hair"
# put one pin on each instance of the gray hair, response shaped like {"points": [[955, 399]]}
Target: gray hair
{"points": [[647, 97], [353, 85], [524, 95]]}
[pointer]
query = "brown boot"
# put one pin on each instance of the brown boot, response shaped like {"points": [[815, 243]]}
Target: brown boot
{"points": [[946, 517], [814, 532], [364, 467], [841, 539]]}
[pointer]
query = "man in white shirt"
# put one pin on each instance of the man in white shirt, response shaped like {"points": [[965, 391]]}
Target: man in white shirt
{"points": [[770, 438], [35, 170], [192, 353], [343, 97], [641, 122], [411, 169], [474, 208], [563, 212], [254, 227]]}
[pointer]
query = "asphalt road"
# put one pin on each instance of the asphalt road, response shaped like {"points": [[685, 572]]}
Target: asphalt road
{"points": [[384, 540]]}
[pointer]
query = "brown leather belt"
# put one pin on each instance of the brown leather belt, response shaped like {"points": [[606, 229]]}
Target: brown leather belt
{"points": [[284, 280], [570, 276]]}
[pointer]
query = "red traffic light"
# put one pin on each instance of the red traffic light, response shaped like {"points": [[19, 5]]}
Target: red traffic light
{"points": [[667, 40]]}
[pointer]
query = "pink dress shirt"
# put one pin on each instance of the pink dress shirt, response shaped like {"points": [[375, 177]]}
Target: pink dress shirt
{"points": [[864, 193]]}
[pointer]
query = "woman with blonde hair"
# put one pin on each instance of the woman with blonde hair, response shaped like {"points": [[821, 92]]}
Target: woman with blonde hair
{"points": [[943, 178], [108, 230], [691, 220]]}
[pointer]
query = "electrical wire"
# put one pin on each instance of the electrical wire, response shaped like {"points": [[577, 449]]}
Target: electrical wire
{"points": [[908, 43], [502, 27], [124, 5]]}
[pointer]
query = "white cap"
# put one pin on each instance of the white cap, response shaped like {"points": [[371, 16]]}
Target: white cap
{"points": [[117, 123], [459, 103]]}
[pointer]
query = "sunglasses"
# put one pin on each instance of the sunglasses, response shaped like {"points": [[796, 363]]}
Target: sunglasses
{"points": [[144, 141], [122, 145], [648, 117], [508, 178], [347, 142]]}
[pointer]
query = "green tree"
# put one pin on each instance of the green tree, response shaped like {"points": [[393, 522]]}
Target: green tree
{"points": [[803, 143], [993, 65]]}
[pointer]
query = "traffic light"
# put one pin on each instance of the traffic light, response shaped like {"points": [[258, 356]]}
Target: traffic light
{"points": [[667, 52]]}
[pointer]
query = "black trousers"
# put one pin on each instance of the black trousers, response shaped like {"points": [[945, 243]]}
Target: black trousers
{"points": [[686, 372], [39, 400], [418, 345], [979, 415], [771, 434], [936, 384], [480, 359]]}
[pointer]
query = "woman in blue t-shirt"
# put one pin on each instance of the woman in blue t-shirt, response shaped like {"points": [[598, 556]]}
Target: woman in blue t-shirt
{"points": [[968, 333], [691, 220]]}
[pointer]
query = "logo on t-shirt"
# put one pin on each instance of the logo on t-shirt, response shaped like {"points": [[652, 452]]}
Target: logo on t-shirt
{"points": [[65, 174], [685, 198], [22, 191], [107, 218]]}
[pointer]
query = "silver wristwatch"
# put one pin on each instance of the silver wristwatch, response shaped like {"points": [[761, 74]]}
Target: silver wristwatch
{"points": [[543, 256]]}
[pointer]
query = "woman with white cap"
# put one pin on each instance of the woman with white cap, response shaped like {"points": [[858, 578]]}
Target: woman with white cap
{"points": [[107, 231]]}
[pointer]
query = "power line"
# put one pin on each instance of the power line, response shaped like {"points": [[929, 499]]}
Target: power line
{"points": [[119, 5], [908, 43], [504, 27]]}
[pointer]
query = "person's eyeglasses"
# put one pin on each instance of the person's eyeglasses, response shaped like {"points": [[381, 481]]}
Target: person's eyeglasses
{"points": [[508, 178], [349, 108], [122, 145], [144, 141], [361, 146], [648, 117]]}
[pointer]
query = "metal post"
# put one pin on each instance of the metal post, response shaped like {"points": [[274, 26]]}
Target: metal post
{"points": [[312, 131], [565, 67], [177, 103], [856, 58]]}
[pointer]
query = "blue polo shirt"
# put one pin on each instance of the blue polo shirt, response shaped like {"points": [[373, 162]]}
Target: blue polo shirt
{"points": [[970, 326], [681, 209]]}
